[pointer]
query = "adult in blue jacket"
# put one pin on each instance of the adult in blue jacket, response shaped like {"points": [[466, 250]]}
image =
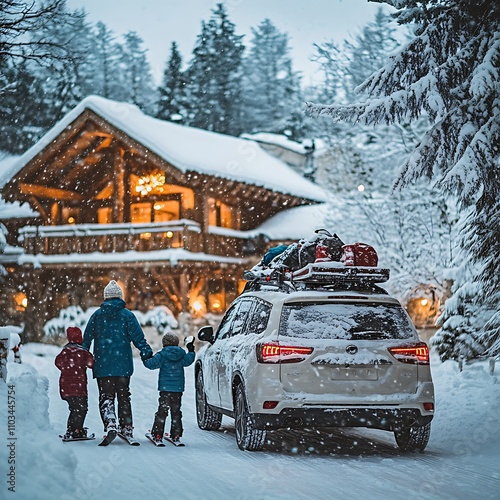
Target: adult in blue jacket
{"points": [[171, 361], [112, 328]]}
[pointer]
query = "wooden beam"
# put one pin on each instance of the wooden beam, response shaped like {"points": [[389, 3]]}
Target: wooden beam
{"points": [[50, 193], [40, 208], [119, 187]]}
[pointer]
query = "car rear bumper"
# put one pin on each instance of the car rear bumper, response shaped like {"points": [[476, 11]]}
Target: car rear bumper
{"points": [[378, 418]]}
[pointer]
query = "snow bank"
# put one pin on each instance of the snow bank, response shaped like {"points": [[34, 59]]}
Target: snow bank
{"points": [[41, 469], [467, 408]]}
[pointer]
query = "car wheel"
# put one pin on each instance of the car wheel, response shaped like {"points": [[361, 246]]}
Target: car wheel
{"points": [[247, 436], [208, 419], [413, 438]]}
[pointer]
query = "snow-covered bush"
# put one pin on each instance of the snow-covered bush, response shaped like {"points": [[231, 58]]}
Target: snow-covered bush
{"points": [[161, 317], [55, 329]]}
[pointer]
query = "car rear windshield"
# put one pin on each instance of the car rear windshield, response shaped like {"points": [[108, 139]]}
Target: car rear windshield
{"points": [[349, 321]]}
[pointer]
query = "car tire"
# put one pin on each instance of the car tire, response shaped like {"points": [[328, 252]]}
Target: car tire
{"points": [[247, 436], [413, 438], [208, 419]]}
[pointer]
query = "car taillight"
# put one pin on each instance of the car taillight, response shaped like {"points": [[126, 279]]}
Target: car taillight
{"points": [[417, 354], [276, 353]]}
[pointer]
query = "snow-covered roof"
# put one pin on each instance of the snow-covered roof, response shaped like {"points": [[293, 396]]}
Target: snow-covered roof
{"points": [[11, 210], [292, 224], [295, 223], [284, 142], [188, 149], [7, 170]]}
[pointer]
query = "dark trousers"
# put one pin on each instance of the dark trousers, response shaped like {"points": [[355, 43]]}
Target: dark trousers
{"points": [[166, 401], [109, 389], [78, 407]]}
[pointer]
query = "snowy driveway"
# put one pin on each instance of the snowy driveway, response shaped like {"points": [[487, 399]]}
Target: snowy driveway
{"points": [[461, 461]]}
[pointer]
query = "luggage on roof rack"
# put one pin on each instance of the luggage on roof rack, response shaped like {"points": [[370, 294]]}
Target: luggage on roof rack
{"points": [[323, 261]]}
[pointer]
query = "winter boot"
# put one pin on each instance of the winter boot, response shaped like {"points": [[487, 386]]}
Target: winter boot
{"points": [[68, 435], [127, 431], [176, 440], [111, 427], [80, 433]]}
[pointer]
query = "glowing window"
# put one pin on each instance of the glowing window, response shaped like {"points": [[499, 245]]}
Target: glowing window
{"points": [[105, 215], [140, 213], [220, 214], [166, 210]]}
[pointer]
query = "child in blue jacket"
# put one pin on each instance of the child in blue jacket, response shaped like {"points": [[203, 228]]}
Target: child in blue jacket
{"points": [[171, 361]]}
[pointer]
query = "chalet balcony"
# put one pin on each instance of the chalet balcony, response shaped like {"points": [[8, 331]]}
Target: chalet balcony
{"points": [[124, 237]]}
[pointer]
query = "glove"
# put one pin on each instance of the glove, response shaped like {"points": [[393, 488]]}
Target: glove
{"points": [[189, 342], [146, 356]]}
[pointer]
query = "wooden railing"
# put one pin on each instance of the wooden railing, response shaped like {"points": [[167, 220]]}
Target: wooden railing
{"points": [[88, 238], [123, 237]]}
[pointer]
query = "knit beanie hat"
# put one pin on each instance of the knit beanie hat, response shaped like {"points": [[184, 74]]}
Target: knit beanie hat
{"points": [[170, 339], [74, 334], [113, 290]]}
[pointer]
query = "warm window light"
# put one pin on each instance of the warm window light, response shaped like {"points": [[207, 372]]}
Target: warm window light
{"points": [[424, 302], [145, 236], [148, 183], [21, 301], [169, 234], [361, 188], [157, 206], [197, 306], [71, 220], [216, 304]]}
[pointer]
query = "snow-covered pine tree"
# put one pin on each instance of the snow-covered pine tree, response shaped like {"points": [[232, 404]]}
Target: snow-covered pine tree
{"points": [[106, 77], [137, 71], [450, 71], [463, 316], [362, 150], [214, 76], [23, 113], [172, 92], [63, 81], [271, 89]]}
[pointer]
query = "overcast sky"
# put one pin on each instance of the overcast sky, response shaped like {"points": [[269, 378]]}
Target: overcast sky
{"points": [[160, 22]]}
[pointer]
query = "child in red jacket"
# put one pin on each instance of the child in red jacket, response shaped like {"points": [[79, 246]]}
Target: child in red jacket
{"points": [[73, 362]]}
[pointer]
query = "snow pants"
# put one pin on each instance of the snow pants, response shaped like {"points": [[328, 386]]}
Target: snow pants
{"points": [[111, 388], [166, 401], [78, 407]]}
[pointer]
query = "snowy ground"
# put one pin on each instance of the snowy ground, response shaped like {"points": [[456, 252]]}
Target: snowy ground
{"points": [[461, 461]]}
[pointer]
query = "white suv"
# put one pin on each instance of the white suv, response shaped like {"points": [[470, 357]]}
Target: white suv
{"points": [[341, 356]]}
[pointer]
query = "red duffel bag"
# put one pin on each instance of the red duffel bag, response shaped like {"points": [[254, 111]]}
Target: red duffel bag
{"points": [[359, 254]]}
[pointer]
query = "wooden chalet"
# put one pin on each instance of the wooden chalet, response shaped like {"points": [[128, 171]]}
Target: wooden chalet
{"points": [[171, 212]]}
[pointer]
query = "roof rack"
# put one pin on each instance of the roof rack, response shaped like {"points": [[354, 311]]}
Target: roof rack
{"points": [[332, 272], [326, 276]]}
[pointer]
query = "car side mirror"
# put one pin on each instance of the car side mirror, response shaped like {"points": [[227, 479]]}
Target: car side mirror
{"points": [[206, 334]]}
